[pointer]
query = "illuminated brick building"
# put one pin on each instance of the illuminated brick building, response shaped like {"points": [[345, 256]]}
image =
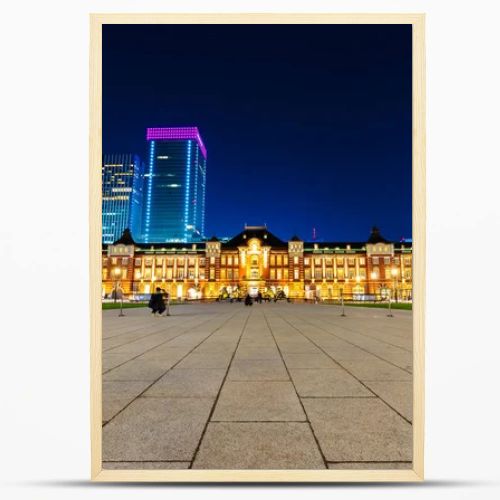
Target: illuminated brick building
{"points": [[256, 260]]}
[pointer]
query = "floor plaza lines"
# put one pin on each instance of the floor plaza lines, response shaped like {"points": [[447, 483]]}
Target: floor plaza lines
{"points": [[272, 386]]}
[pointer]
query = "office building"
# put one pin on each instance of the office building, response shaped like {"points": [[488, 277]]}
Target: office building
{"points": [[122, 178], [174, 186]]}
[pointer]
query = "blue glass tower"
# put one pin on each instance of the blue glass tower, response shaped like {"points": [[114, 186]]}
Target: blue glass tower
{"points": [[122, 200], [174, 186]]}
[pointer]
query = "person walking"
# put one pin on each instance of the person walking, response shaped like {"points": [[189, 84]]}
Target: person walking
{"points": [[156, 303]]}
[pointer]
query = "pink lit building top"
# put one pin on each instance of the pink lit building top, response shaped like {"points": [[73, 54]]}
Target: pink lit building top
{"points": [[175, 134]]}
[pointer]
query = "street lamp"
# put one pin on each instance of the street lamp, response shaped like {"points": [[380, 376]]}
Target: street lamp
{"points": [[394, 273], [117, 272], [373, 276]]}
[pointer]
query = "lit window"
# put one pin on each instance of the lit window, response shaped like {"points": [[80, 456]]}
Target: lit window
{"points": [[295, 260], [295, 274]]}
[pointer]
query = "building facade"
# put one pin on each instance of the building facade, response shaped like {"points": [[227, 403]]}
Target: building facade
{"points": [[174, 186], [256, 261], [122, 178]]}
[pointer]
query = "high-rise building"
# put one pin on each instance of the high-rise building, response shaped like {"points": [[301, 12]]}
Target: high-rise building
{"points": [[174, 186], [122, 183]]}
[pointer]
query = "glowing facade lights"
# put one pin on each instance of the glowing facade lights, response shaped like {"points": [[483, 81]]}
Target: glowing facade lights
{"points": [[175, 134], [122, 191], [174, 208]]}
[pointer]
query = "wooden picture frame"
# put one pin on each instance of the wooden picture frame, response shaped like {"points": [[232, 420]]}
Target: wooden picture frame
{"points": [[418, 225]]}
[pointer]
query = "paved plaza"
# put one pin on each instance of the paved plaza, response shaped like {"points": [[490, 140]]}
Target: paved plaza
{"points": [[271, 386]]}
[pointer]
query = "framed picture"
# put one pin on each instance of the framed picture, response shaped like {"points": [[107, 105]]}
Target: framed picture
{"points": [[257, 247]]}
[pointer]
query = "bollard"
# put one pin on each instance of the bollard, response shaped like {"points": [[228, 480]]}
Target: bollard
{"points": [[343, 307], [121, 306], [390, 315]]}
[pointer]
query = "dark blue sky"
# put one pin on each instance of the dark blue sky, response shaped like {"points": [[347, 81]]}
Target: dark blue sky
{"points": [[305, 125]]}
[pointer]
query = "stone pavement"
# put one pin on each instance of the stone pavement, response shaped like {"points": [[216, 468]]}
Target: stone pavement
{"points": [[272, 386]]}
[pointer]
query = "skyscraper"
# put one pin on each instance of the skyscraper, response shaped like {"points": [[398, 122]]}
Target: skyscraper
{"points": [[122, 183], [174, 186]]}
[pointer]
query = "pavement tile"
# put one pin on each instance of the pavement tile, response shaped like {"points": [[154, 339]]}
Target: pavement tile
{"points": [[118, 394], [206, 360], [315, 360], [399, 395], [371, 465], [374, 369], [297, 348], [188, 383], [257, 369], [250, 445], [326, 382], [346, 352], [152, 429], [250, 401], [145, 465], [141, 369], [257, 353], [363, 429], [110, 361]]}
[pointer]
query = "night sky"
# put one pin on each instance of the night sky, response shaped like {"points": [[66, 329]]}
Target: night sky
{"points": [[305, 125]]}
